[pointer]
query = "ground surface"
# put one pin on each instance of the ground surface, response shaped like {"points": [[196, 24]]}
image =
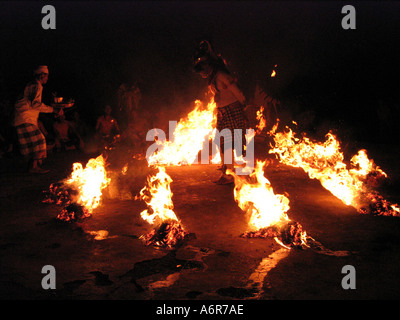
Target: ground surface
{"points": [[214, 263]]}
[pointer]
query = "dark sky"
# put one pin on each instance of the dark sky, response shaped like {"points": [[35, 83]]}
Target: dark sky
{"points": [[97, 45]]}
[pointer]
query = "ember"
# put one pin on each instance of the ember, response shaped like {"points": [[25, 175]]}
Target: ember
{"points": [[378, 206], [58, 194], [375, 179], [73, 212], [61, 195], [170, 234]]}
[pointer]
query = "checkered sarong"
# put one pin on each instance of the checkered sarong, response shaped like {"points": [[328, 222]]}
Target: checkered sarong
{"points": [[31, 141], [231, 117]]}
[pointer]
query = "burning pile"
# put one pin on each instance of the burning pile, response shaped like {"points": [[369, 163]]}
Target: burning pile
{"points": [[58, 194], [289, 234], [325, 162], [375, 204], [81, 193], [63, 195], [169, 234], [267, 211], [158, 197], [73, 212]]}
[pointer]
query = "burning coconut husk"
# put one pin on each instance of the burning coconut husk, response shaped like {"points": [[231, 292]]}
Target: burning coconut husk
{"points": [[73, 212], [81, 193], [62, 195], [376, 205], [58, 194], [325, 162], [169, 234], [289, 234], [158, 196]]}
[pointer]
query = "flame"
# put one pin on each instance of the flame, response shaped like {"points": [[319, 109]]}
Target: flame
{"points": [[395, 208], [274, 128], [267, 210], [364, 164], [124, 170], [273, 73], [188, 137], [158, 196], [259, 200], [261, 120], [324, 161], [101, 234], [89, 182]]}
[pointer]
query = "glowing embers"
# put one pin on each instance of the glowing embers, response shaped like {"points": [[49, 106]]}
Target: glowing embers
{"points": [[288, 234], [158, 197], [58, 194], [375, 204], [73, 212], [325, 162], [81, 193], [267, 211], [169, 234]]}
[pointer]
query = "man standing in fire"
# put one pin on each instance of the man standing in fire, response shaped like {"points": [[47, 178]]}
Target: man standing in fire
{"points": [[230, 102], [28, 106]]}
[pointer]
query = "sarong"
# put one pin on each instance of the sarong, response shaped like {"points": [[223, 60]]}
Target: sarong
{"points": [[231, 117], [31, 141]]}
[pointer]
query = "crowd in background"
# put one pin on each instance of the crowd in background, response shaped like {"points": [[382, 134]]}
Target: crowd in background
{"points": [[123, 123]]}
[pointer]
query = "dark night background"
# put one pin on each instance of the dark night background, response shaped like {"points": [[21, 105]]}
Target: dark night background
{"points": [[327, 77]]}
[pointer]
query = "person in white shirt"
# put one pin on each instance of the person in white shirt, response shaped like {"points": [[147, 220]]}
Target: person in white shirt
{"points": [[32, 143]]}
